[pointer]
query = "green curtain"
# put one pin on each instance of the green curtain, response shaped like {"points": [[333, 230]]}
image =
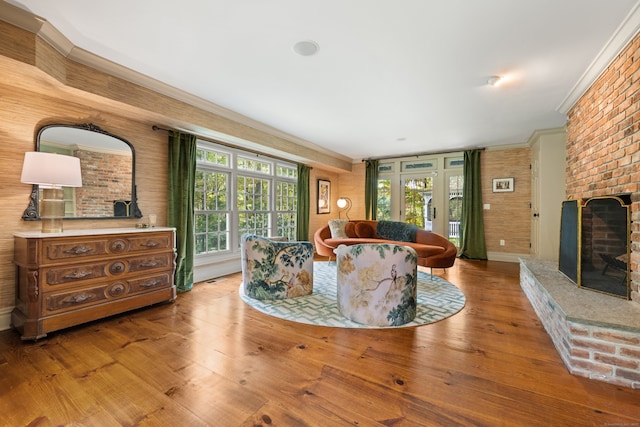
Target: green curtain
{"points": [[371, 189], [302, 214], [472, 243], [182, 175]]}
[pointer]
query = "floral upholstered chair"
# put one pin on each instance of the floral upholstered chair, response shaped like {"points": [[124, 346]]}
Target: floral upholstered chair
{"points": [[275, 269], [377, 283]]}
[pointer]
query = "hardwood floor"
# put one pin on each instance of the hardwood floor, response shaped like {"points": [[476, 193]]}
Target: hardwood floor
{"points": [[209, 359]]}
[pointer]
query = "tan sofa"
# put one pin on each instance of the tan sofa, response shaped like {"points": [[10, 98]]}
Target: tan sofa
{"points": [[433, 250]]}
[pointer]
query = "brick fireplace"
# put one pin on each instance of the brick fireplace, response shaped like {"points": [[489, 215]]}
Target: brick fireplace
{"points": [[597, 335], [603, 144]]}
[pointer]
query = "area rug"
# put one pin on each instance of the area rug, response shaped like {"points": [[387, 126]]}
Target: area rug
{"points": [[437, 300]]}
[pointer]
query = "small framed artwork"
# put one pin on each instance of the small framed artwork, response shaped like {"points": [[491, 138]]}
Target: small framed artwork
{"points": [[324, 196], [502, 185]]}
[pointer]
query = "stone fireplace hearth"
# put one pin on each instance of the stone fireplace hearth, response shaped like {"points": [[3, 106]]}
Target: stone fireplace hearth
{"points": [[596, 335]]}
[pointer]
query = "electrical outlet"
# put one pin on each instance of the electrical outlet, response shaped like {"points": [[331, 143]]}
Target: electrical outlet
{"points": [[501, 242]]}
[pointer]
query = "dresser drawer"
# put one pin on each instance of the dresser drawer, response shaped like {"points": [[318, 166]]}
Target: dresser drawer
{"points": [[151, 262], [70, 300], [55, 250], [59, 250], [85, 296], [150, 283], [57, 277], [150, 241]]}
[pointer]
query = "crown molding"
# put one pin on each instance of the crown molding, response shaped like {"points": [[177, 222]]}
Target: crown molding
{"points": [[513, 146], [544, 132], [84, 57], [20, 17], [47, 32], [620, 38]]}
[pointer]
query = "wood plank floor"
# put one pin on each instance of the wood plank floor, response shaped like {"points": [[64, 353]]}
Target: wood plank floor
{"points": [[209, 359]]}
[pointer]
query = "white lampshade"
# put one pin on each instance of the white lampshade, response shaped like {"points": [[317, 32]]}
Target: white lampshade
{"points": [[51, 170], [342, 202]]}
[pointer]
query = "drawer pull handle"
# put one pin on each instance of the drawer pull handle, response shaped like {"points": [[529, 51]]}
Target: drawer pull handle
{"points": [[117, 290], [117, 267], [149, 264], [78, 299], [118, 246], [78, 250], [150, 244], [151, 284], [77, 275]]}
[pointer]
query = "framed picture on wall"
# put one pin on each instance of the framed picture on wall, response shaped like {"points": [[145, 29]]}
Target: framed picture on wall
{"points": [[324, 196], [502, 185]]}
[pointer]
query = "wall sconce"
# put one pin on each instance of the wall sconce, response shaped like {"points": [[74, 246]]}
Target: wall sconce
{"points": [[342, 203], [51, 172]]}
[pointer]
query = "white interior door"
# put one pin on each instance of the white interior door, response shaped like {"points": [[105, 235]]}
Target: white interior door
{"points": [[535, 201]]}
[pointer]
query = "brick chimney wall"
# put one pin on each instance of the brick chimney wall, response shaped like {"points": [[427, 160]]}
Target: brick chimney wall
{"points": [[603, 143]]}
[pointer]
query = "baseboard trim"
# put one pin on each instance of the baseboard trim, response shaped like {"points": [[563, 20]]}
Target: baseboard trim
{"points": [[204, 272], [506, 257], [5, 318]]}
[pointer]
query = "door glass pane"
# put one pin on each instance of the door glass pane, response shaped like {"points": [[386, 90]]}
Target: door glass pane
{"points": [[418, 195], [455, 207], [383, 212]]}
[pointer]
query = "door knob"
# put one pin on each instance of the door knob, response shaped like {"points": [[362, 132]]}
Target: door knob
{"points": [[536, 215]]}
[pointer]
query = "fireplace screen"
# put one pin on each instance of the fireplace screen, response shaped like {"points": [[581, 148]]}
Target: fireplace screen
{"points": [[594, 248]]}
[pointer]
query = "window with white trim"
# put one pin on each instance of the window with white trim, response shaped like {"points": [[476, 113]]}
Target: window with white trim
{"points": [[238, 192]]}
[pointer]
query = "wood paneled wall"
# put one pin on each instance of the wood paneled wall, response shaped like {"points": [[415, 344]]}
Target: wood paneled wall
{"points": [[509, 217], [22, 113]]}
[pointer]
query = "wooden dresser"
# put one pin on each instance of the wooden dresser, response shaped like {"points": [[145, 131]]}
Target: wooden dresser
{"points": [[65, 279]]}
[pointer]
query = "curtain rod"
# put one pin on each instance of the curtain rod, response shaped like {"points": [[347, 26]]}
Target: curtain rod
{"points": [[214, 141], [156, 128], [429, 153]]}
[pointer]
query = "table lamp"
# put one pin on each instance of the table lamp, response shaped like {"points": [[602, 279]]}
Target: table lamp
{"points": [[51, 172]]}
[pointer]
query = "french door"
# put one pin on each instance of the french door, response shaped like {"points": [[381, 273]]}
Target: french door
{"points": [[433, 202], [418, 205]]}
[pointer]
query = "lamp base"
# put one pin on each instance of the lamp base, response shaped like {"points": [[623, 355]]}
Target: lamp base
{"points": [[52, 210]]}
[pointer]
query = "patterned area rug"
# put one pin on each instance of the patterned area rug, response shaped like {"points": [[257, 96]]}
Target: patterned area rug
{"points": [[437, 300]]}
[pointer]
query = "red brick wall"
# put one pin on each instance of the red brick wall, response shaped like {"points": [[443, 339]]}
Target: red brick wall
{"points": [[105, 178], [603, 143]]}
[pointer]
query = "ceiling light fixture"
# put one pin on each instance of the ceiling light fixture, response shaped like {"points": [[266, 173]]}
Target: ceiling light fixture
{"points": [[306, 48], [495, 80]]}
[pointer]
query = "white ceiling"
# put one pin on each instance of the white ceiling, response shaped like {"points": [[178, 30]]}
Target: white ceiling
{"points": [[390, 78]]}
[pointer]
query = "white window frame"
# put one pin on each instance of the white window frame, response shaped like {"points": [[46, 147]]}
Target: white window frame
{"points": [[233, 249]]}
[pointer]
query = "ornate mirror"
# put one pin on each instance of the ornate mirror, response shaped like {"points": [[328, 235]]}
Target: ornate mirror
{"points": [[108, 173]]}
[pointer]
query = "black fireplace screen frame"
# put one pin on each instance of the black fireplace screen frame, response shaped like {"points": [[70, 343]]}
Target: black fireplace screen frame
{"points": [[594, 253]]}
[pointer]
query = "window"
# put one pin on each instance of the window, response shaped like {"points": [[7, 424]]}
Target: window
{"points": [[237, 192]]}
